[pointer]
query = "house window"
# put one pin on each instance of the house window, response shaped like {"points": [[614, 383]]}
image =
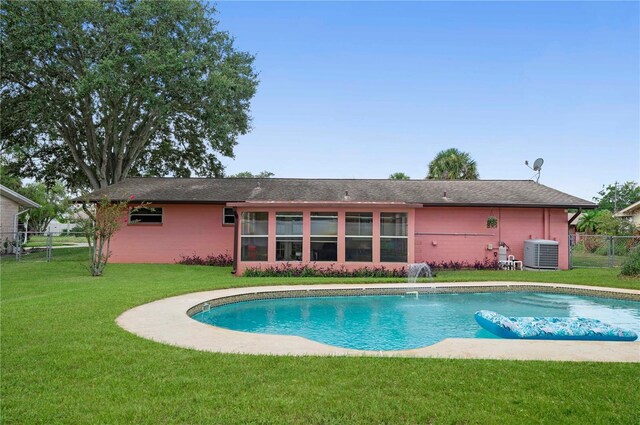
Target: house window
{"points": [[228, 217], [393, 237], [145, 216], [289, 236], [254, 235], [358, 236], [324, 236]]}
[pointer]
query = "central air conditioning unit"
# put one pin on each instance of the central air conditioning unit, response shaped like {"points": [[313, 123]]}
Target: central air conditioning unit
{"points": [[540, 254]]}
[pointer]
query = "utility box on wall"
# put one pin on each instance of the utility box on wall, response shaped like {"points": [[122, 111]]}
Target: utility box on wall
{"points": [[540, 254]]}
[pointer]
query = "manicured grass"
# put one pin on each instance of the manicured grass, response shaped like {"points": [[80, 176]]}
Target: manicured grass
{"points": [[609, 277], [61, 239], [39, 241], [44, 244], [64, 360]]}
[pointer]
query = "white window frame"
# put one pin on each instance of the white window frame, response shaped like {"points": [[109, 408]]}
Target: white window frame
{"points": [[394, 237], [337, 216], [225, 215], [292, 236], [242, 237], [347, 236], [135, 222]]}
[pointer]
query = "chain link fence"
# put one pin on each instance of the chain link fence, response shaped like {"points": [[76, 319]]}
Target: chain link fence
{"points": [[599, 250], [584, 250], [43, 246]]}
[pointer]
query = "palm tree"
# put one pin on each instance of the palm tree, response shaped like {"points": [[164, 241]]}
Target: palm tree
{"points": [[452, 164], [399, 176], [588, 222]]}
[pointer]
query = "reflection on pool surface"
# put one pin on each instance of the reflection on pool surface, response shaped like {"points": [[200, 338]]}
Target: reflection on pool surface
{"points": [[393, 322]]}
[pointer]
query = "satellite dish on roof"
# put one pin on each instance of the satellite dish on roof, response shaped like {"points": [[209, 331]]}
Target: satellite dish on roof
{"points": [[537, 167], [538, 164]]}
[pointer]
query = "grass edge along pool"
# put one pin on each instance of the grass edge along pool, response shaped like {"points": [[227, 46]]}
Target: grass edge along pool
{"points": [[398, 319]]}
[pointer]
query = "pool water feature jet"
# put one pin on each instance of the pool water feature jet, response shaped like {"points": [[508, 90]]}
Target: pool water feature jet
{"points": [[416, 293], [416, 270]]}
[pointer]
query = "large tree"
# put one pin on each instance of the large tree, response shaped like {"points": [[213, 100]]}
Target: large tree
{"points": [[93, 91], [616, 197], [452, 164]]}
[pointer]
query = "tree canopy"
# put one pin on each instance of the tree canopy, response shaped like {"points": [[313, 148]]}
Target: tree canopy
{"points": [[248, 174], [616, 197], [8, 179], [399, 176], [603, 222], [94, 91], [54, 204], [452, 164]]}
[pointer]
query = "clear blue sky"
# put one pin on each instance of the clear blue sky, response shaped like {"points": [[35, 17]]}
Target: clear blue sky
{"points": [[365, 89]]}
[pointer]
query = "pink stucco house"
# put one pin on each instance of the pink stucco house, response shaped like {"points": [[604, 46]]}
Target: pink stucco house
{"points": [[350, 223]]}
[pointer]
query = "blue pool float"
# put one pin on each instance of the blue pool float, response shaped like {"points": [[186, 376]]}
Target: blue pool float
{"points": [[565, 328]]}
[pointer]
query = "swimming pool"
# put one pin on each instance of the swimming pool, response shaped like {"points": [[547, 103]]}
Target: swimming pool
{"points": [[402, 322]]}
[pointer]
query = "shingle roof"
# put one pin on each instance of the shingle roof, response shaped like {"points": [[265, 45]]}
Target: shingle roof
{"points": [[629, 211], [429, 192]]}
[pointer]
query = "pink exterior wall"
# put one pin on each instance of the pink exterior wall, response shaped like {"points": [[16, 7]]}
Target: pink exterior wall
{"points": [[186, 229], [306, 239], [434, 234], [461, 234]]}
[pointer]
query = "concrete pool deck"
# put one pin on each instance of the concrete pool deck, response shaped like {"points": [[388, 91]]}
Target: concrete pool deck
{"points": [[166, 321]]}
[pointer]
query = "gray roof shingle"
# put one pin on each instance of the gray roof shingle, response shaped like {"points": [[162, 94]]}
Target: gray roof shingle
{"points": [[525, 193]]}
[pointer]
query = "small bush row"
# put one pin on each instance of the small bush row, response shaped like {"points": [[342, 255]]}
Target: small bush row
{"points": [[220, 260], [313, 270], [485, 264], [309, 270]]}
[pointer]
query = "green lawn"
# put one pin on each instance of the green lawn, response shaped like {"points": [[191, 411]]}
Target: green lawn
{"points": [[64, 360], [40, 241]]}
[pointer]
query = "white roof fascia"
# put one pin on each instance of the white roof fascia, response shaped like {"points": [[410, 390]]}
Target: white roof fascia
{"points": [[628, 212], [16, 197]]}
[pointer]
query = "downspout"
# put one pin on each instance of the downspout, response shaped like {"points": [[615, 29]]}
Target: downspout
{"points": [[235, 242], [544, 224], [499, 225]]}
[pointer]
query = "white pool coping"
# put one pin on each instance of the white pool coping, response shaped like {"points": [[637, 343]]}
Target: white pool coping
{"points": [[166, 321]]}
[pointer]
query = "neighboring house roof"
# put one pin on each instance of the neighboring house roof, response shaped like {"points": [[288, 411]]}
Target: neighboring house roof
{"points": [[522, 193], [630, 211], [17, 198]]}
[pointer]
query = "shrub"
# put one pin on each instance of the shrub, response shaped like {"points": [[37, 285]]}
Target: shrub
{"points": [[312, 270], [485, 264], [631, 266], [602, 250], [633, 242], [220, 260], [591, 244], [308, 270]]}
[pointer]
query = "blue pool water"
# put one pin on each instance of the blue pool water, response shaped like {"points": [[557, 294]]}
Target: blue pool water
{"points": [[395, 322]]}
